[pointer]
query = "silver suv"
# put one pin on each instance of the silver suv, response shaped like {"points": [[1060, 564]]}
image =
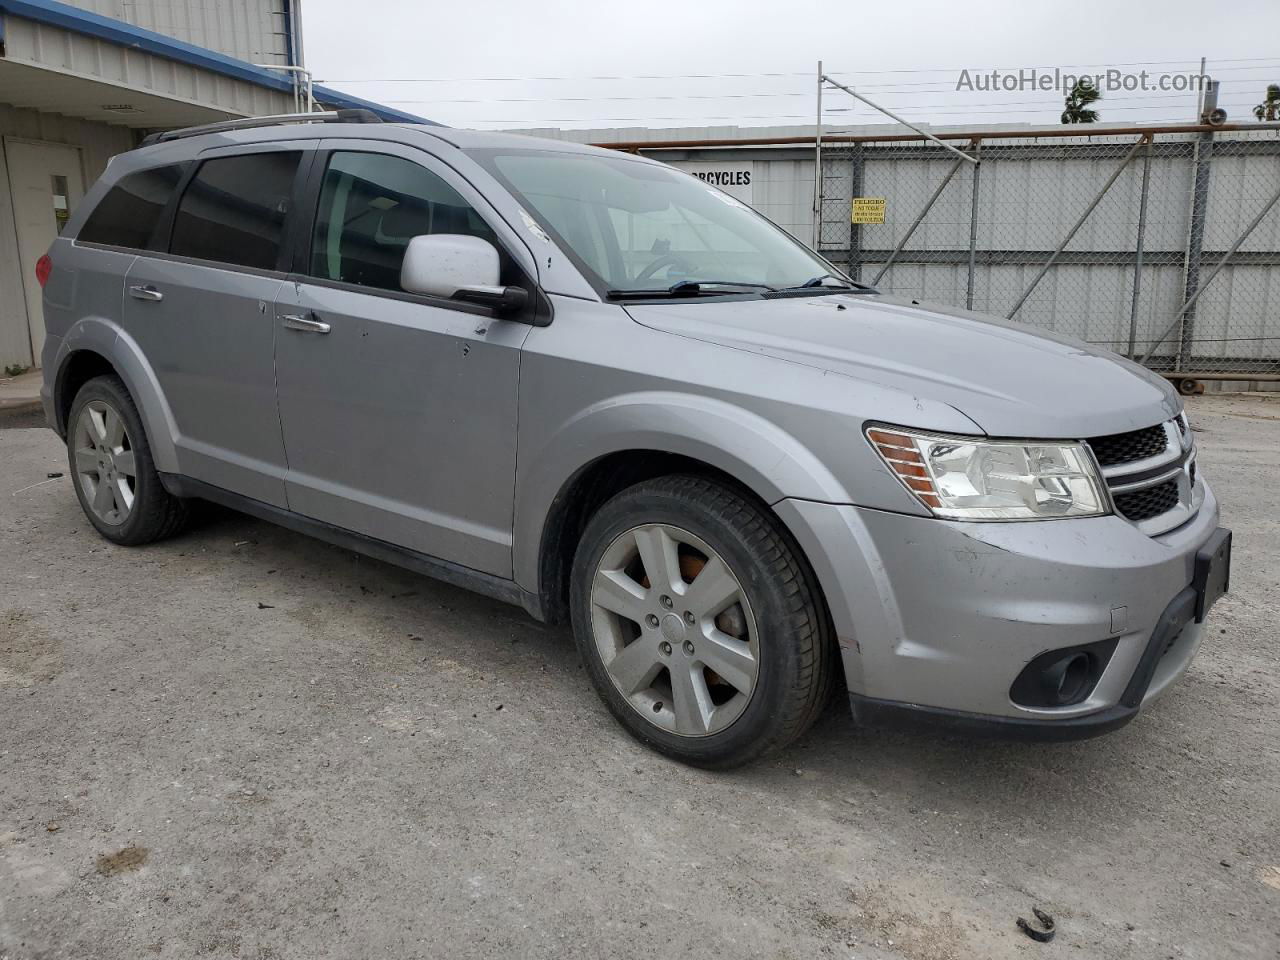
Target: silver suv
{"points": [[589, 384]]}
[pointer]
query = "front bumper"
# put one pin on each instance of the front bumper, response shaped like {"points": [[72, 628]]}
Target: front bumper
{"points": [[937, 618]]}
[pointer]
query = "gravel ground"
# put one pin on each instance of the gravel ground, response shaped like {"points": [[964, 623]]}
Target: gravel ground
{"points": [[244, 743]]}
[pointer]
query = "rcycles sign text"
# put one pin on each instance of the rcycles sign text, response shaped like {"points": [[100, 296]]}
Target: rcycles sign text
{"points": [[724, 178]]}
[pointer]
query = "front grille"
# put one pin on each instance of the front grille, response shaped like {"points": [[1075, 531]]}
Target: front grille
{"points": [[1131, 446], [1149, 502]]}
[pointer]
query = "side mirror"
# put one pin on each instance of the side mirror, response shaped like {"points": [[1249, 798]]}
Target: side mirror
{"points": [[458, 267]]}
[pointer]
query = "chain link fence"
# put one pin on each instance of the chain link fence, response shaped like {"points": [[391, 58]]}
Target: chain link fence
{"points": [[1162, 247]]}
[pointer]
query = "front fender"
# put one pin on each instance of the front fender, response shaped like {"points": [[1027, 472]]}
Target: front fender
{"points": [[764, 457], [108, 339]]}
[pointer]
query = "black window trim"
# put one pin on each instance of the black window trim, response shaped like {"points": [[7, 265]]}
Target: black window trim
{"points": [[538, 312]]}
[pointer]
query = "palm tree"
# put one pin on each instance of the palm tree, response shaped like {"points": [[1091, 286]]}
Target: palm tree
{"points": [[1077, 103], [1269, 108]]}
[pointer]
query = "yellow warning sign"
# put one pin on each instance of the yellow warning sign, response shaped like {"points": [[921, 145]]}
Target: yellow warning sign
{"points": [[868, 209]]}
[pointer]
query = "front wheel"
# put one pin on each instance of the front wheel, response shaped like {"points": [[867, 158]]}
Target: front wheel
{"points": [[699, 622]]}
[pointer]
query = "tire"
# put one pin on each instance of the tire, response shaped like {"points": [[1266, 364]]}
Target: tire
{"points": [[727, 683], [105, 439]]}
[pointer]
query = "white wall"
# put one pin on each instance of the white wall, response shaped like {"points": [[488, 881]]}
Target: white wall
{"points": [[98, 142]]}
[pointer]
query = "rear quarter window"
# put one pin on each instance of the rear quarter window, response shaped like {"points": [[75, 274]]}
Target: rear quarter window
{"points": [[128, 215]]}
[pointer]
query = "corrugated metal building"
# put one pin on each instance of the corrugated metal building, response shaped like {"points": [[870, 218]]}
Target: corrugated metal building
{"points": [[81, 81]]}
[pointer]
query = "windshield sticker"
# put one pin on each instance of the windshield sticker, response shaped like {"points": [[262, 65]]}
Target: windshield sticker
{"points": [[532, 226]]}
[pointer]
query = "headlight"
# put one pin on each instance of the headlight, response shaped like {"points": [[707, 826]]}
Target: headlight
{"points": [[967, 479]]}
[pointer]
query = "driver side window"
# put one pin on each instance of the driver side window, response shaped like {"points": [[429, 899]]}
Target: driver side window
{"points": [[371, 206]]}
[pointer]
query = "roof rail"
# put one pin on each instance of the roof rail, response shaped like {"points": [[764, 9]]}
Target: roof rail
{"points": [[355, 115]]}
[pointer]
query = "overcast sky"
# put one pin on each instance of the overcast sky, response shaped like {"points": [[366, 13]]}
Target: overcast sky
{"points": [[503, 64]]}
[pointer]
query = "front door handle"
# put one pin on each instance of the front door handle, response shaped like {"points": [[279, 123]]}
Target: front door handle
{"points": [[145, 292], [293, 321]]}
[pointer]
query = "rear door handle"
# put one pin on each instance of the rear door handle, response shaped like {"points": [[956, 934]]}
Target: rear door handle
{"points": [[145, 292], [293, 321]]}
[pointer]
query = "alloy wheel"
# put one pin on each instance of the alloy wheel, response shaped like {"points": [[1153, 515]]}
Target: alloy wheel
{"points": [[104, 462], [674, 630]]}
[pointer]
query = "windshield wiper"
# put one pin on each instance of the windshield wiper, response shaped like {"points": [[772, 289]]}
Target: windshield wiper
{"points": [[819, 283], [687, 288]]}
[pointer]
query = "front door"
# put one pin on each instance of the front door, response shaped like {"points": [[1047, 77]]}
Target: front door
{"points": [[46, 183], [398, 412]]}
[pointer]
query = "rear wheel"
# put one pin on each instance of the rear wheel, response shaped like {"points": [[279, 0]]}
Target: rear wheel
{"points": [[115, 478], [699, 622]]}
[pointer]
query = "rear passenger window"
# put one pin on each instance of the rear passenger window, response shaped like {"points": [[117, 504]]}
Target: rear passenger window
{"points": [[371, 206], [128, 214], [234, 208]]}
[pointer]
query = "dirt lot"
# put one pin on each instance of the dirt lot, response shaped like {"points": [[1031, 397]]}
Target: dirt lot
{"points": [[243, 743]]}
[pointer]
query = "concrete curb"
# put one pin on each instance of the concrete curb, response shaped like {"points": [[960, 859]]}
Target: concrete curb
{"points": [[22, 405]]}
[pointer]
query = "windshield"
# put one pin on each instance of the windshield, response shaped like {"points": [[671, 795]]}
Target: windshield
{"points": [[635, 226]]}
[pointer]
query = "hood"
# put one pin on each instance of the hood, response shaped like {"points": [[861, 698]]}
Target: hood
{"points": [[1010, 379]]}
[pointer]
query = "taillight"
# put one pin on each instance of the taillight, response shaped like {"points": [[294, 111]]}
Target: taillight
{"points": [[44, 267]]}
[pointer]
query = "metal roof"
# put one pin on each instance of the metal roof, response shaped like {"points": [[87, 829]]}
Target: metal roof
{"points": [[63, 16]]}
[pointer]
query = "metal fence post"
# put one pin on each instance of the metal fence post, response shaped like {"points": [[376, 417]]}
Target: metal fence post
{"points": [[1137, 261], [817, 169], [973, 223], [856, 171], [1195, 246]]}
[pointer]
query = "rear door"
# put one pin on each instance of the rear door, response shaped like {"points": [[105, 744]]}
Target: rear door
{"points": [[398, 411], [202, 311]]}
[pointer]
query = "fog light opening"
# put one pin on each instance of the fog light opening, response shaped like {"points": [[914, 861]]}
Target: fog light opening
{"points": [[1063, 677], [1069, 679]]}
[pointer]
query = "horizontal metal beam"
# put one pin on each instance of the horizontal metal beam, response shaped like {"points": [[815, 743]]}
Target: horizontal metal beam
{"points": [[1215, 368], [1068, 130], [1168, 150], [1215, 374]]}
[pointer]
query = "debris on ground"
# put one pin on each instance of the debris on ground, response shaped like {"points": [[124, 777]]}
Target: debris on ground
{"points": [[1042, 936], [122, 861]]}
